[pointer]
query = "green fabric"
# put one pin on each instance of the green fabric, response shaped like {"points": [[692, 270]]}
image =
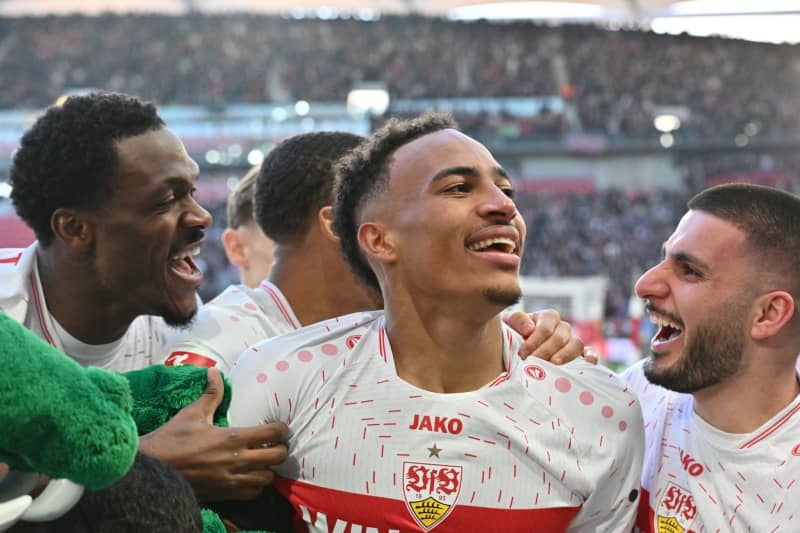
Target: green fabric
{"points": [[159, 392], [58, 418], [212, 523]]}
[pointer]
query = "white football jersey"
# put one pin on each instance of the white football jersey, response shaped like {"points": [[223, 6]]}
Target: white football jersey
{"points": [[232, 322], [21, 297], [697, 478], [541, 447]]}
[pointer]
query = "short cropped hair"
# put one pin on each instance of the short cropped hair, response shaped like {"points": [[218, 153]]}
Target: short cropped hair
{"points": [[770, 220], [296, 181], [364, 173], [240, 202], [68, 158], [151, 497]]}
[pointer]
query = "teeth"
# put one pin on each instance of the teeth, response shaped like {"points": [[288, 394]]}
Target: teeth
{"points": [[661, 322], [510, 245], [191, 252]]}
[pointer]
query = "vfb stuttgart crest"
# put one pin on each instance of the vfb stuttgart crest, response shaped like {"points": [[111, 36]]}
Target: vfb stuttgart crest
{"points": [[431, 491], [676, 510]]}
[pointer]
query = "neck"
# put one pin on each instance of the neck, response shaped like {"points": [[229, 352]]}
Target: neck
{"points": [[745, 402], [440, 348], [76, 303], [317, 284]]}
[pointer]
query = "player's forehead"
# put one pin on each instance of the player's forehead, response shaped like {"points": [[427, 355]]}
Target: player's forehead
{"points": [[707, 239], [423, 158], [148, 159]]}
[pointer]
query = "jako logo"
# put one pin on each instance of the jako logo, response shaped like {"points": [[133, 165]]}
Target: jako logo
{"points": [[690, 465], [796, 450], [439, 424]]}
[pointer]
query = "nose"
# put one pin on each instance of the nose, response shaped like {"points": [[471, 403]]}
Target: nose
{"points": [[196, 216], [496, 203], [652, 283]]}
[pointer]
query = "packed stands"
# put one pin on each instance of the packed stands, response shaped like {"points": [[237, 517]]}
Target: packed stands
{"points": [[616, 79]]}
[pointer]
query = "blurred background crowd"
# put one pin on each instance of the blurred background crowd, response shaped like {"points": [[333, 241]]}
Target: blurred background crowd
{"points": [[607, 131]]}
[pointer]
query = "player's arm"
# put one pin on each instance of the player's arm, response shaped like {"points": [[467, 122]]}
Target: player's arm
{"points": [[548, 337], [189, 351], [214, 339], [220, 463]]}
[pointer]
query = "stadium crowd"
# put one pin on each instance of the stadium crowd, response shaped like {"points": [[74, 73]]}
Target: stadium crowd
{"points": [[218, 60]]}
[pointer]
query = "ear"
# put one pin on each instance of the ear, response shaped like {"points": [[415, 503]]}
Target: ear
{"points": [[234, 247], [73, 227], [325, 221], [376, 243], [773, 310]]}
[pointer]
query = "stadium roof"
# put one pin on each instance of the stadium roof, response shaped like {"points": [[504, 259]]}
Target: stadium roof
{"points": [[437, 7], [764, 20]]}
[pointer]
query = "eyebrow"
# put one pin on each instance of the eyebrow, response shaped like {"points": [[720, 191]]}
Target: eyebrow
{"points": [[470, 172]]}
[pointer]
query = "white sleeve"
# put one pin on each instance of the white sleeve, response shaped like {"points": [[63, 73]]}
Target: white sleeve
{"points": [[613, 502], [217, 336]]}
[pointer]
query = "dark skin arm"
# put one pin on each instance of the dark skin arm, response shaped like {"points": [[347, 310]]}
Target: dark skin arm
{"points": [[220, 463]]}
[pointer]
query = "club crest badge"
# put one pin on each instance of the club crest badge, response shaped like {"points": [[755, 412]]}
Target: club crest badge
{"points": [[676, 511], [431, 491]]}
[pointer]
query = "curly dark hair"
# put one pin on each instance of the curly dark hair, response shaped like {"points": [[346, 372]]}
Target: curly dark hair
{"points": [[296, 180], [152, 497], [364, 172], [68, 157]]}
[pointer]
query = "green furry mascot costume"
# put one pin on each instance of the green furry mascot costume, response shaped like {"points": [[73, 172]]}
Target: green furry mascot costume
{"points": [[78, 426]]}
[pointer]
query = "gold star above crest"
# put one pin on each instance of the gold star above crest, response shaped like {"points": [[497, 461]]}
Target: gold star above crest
{"points": [[434, 451]]}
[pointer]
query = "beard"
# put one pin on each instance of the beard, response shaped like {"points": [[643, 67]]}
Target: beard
{"points": [[503, 296], [176, 320], [713, 355]]}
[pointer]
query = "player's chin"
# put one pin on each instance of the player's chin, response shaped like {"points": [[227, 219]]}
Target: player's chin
{"points": [[504, 295], [180, 316]]}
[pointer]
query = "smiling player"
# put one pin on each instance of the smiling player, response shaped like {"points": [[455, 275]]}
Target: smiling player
{"points": [[423, 417], [720, 393], [109, 193]]}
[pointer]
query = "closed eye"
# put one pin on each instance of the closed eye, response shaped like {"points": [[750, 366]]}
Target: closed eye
{"points": [[457, 188], [688, 271]]}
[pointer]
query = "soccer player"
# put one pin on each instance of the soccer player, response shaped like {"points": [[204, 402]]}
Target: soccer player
{"points": [[310, 281], [422, 416], [720, 392], [245, 244], [108, 191]]}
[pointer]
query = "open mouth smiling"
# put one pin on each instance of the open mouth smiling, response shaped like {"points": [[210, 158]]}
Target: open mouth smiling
{"points": [[182, 264], [668, 329], [496, 244]]}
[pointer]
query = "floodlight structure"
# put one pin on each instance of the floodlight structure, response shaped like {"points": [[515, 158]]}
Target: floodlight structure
{"points": [[368, 98]]}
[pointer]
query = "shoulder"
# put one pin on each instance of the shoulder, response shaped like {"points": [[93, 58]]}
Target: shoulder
{"points": [[649, 394], [222, 329], [308, 349], [277, 378], [16, 264], [589, 398]]}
